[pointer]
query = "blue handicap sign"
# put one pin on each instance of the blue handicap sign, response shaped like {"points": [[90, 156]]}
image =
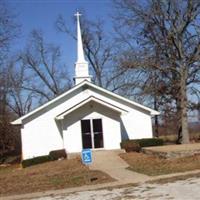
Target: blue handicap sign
{"points": [[86, 156]]}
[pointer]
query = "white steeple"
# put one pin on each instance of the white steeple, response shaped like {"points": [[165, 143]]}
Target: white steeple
{"points": [[81, 65]]}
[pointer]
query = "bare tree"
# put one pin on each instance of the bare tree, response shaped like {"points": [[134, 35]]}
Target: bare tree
{"points": [[8, 32], [20, 100], [47, 76], [100, 52], [165, 36], [35, 76]]}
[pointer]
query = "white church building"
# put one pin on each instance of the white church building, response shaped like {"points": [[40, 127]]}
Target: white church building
{"points": [[86, 116]]}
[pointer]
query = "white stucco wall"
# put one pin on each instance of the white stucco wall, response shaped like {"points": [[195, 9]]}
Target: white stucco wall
{"points": [[110, 124], [42, 134], [138, 125]]}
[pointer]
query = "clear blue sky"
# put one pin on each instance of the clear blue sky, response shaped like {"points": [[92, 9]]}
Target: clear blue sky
{"points": [[42, 14]]}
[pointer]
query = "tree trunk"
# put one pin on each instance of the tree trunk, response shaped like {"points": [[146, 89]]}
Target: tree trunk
{"points": [[184, 118], [156, 117], [178, 119]]}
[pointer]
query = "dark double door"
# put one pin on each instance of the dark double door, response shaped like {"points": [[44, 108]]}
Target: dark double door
{"points": [[92, 133]]}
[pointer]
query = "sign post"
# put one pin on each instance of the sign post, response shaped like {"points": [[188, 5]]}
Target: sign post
{"points": [[86, 156]]}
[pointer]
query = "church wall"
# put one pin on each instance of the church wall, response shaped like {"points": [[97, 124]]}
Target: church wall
{"points": [[136, 123], [42, 133], [110, 123]]}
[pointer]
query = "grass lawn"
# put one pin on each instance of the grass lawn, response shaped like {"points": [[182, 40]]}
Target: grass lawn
{"points": [[151, 165], [48, 176]]}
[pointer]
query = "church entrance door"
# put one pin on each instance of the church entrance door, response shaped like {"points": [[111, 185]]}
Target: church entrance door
{"points": [[92, 133]]}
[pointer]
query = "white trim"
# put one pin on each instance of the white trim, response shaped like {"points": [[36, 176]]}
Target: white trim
{"points": [[153, 112], [85, 82], [91, 98], [19, 120]]}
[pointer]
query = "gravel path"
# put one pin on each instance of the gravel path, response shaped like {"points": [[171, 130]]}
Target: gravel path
{"points": [[180, 190]]}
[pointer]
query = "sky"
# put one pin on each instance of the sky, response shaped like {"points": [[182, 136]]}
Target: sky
{"points": [[42, 14]]}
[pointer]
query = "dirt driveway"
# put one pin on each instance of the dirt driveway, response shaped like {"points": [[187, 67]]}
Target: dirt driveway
{"points": [[185, 189]]}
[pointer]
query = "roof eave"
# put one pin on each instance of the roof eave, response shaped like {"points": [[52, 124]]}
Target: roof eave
{"points": [[154, 112], [19, 120], [16, 122]]}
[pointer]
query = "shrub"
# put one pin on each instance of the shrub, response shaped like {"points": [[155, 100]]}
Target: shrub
{"points": [[136, 145], [130, 145], [147, 142], [55, 155], [36, 160]]}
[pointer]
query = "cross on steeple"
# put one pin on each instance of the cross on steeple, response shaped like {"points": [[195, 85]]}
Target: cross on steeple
{"points": [[77, 14], [81, 66]]}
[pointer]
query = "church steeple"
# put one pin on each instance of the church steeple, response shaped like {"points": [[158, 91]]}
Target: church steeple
{"points": [[81, 65]]}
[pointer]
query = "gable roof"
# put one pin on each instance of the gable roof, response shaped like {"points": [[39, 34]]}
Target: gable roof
{"points": [[89, 84], [90, 99]]}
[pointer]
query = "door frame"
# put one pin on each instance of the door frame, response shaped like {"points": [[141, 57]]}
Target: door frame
{"points": [[92, 132]]}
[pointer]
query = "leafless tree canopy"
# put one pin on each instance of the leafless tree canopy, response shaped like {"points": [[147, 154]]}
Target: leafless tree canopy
{"points": [[48, 76], [9, 138], [163, 37], [28, 79], [9, 30], [100, 51]]}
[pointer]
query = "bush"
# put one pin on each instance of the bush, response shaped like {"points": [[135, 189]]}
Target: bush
{"points": [[136, 145], [36, 160], [130, 145], [55, 155], [147, 142]]}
